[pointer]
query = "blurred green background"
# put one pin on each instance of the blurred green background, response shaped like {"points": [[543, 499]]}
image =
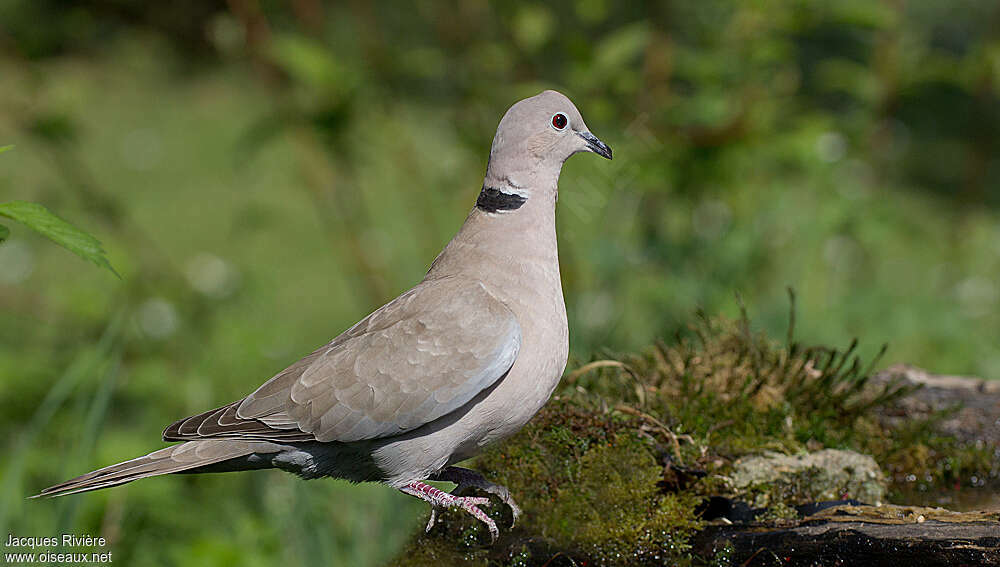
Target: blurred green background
{"points": [[264, 173]]}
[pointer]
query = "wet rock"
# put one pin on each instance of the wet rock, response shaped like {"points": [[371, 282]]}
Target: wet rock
{"points": [[893, 514], [720, 509], [830, 474], [861, 535], [975, 401]]}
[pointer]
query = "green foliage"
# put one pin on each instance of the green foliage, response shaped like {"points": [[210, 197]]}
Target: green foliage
{"points": [[270, 176], [44, 222]]}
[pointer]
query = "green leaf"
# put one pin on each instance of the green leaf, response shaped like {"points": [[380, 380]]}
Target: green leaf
{"points": [[4, 233], [43, 221], [5, 148]]}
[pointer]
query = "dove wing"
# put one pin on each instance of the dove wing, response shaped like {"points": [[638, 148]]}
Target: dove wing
{"points": [[417, 358]]}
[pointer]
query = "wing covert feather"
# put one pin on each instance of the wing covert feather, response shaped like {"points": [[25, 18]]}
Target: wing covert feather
{"points": [[419, 357]]}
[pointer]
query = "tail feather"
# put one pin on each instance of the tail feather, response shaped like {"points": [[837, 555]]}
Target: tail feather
{"points": [[174, 459]]}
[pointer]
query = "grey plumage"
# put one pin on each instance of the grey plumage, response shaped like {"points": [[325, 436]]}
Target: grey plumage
{"points": [[462, 360]]}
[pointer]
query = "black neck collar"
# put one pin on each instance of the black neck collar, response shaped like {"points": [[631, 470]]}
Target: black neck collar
{"points": [[492, 200]]}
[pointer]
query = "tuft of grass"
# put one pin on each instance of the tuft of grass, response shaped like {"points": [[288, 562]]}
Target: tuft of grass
{"points": [[723, 377], [727, 391], [103, 358]]}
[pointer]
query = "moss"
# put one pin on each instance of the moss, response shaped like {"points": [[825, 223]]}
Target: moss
{"points": [[587, 478], [613, 469], [723, 557], [778, 513], [615, 510], [734, 392], [794, 488], [545, 456], [591, 488]]}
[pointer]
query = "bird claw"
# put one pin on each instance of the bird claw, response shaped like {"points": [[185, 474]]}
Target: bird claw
{"points": [[438, 499], [466, 479], [471, 505], [503, 494]]}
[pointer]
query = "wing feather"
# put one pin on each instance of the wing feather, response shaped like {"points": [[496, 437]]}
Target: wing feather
{"points": [[418, 358]]}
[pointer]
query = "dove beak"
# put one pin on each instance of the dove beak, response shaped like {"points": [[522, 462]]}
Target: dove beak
{"points": [[595, 145]]}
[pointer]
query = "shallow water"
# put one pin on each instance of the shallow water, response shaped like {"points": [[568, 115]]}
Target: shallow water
{"points": [[959, 500]]}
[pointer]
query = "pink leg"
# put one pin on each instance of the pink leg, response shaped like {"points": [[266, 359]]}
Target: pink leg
{"points": [[440, 499], [466, 478]]}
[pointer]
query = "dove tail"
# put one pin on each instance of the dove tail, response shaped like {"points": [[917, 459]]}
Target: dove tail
{"points": [[178, 458]]}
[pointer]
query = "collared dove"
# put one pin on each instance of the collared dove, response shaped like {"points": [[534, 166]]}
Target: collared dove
{"points": [[461, 361]]}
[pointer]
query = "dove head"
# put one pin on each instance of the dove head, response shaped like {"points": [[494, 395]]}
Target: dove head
{"points": [[534, 138]]}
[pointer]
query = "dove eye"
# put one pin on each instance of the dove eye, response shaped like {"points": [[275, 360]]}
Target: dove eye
{"points": [[559, 121]]}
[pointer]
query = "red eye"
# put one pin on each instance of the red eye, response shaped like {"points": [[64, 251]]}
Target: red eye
{"points": [[559, 121]]}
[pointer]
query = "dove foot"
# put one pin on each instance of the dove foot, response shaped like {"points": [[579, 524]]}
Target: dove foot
{"points": [[440, 499], [466, 479]]}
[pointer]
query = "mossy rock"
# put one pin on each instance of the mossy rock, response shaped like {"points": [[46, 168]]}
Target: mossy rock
{"points": [[830, 474]]}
